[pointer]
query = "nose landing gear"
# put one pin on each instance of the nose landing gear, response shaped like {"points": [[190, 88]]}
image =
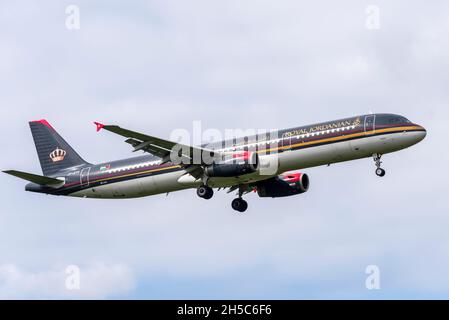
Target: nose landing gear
{"points": [[379, 171]]}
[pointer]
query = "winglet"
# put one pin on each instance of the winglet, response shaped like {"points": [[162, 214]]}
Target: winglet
{"points": [[99, 126]]}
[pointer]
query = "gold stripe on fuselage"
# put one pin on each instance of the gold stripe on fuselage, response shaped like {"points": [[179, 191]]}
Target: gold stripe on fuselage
{"points": [[342, 137]]}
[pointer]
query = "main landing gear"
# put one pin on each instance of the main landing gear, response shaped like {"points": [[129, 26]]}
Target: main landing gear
{"points": [[239, 204], [379, 171], [205, 192]]}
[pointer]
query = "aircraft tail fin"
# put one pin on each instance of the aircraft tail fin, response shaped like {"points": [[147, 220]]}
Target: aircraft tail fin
{"points": [[54, 153], [37, 179]]}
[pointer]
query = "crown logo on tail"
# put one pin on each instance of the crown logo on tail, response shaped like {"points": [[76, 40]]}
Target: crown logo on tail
{"points": [[58, 155]]}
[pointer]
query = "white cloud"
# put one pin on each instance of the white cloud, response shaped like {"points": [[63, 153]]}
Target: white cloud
{"points": [[97, 281]]}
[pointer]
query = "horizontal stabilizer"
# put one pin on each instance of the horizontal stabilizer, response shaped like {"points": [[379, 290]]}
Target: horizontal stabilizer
{"points": [[41, 180]]}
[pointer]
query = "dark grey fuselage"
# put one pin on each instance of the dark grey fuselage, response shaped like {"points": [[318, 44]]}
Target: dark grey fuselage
{"points": [[289, 149]]}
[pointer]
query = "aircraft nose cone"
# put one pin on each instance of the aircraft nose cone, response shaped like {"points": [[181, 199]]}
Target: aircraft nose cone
{"points": [[422, 134]]}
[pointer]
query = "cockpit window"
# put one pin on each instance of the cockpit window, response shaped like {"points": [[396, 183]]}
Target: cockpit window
{"points": [[388, 120], [394, 120]]}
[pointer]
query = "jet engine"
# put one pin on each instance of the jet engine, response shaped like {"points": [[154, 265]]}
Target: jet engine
{"points": [[284, 185], [234, 165]]}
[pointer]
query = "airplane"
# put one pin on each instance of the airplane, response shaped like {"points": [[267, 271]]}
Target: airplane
{"points": [[258, 163]]}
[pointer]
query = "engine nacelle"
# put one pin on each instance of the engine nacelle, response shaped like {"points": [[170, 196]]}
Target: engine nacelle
{"points": [[234, 165], [284, 185]]}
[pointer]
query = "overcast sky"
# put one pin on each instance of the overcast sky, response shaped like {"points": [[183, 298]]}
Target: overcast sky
{"points": [[156, 66]]}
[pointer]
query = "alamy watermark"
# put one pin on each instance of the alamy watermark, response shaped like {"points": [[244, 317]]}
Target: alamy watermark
{"points": [[372, 281], [72, 20], [372, 21], [210, 146], [73, 278]]}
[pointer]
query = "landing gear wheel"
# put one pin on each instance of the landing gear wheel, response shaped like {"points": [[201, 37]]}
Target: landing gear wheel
{"points": [[380, 172], [205, 192], [239, 205]]}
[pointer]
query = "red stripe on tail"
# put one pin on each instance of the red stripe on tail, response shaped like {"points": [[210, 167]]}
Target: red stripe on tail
{"points": [[44, 122]]}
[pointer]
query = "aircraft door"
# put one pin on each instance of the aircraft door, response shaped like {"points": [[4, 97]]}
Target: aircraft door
{"points": [[84, 177], [370, 122]]}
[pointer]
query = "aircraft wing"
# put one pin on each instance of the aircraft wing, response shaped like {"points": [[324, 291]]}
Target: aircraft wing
{"points": [[158, 147]]}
